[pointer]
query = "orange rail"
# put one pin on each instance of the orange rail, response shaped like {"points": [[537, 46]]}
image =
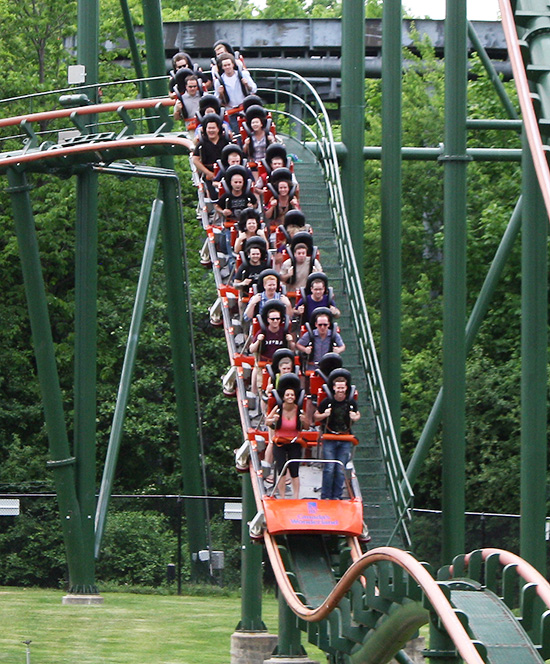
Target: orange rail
{"points": [[524, 569], [86, 110], [132, 141], [529, 117], [429, 586]]}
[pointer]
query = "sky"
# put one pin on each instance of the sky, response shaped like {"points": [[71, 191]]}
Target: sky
{"points": [[478, 10]]}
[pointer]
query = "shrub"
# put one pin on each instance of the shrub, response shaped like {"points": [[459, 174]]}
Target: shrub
{"points": [[137, 547]]}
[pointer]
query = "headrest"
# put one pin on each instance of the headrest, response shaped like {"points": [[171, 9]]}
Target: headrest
{"points": [[211, 117], [180, 77], [294, 217], [255, 241], [256, 111], [263, 275], [335, 375], [248, 213], [253, 100], [289, 382], [275, 150], [235, 170], [303, 237], [222, 42], [280, 174], [329, 362], [281, 354], [273, 305], [229, 149], [321, 311], [209, 101], [315, 276]]}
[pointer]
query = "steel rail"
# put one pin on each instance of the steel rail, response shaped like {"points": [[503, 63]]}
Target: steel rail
{"points": [[110, 107], [416, 570], [58, 151], [524, 95], [524, 569]]}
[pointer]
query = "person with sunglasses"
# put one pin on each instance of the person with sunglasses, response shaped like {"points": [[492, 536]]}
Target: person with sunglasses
{"points": [[320, 338]]}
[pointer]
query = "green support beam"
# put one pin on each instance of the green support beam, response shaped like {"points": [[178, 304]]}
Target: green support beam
{"points": [[85, 349], [353, 121], [454, 281], [390, 344], [62, 463], [178, 312], [534, 368], [126, 375]]}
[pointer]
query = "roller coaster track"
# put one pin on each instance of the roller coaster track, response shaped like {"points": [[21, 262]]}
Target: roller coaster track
{"points": [[357, 606], [530, 57]]}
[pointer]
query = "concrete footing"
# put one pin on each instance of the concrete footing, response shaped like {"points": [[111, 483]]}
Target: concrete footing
{"points": [[84, 600], [252, 647], [284, 659]]}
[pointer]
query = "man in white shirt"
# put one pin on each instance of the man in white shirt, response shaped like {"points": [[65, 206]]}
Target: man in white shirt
{"points": [[232, 86]]}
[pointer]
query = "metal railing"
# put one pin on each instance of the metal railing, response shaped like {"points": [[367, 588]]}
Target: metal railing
{"points": [[308, 121]]}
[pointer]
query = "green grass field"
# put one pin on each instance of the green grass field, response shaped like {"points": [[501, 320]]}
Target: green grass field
{"points": [[125, 629]]}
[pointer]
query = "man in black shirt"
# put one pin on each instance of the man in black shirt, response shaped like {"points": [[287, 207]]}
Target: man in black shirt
{"points": [[337, 412]]}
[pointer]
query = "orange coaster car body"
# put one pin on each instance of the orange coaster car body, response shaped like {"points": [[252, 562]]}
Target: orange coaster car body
{"points": [[344, 517]]}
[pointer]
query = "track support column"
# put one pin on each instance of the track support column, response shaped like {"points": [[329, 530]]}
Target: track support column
{"points": [[62, 462], [353, 121], [390, 345], [454, 280], [534, 372]]}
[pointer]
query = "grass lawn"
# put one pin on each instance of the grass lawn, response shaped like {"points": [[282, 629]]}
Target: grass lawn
{"points": [[125, 629]]}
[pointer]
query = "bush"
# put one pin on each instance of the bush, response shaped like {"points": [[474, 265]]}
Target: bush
{"points": [[137, 547], [31, 547]]}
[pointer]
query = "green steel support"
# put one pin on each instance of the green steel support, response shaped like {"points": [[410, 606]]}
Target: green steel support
{"points": [[130, 33], [454, 280], [88, 44], [289, 644], [85, 348], [390, 347], [489, 68], [85, 364], [353, 121], [178, 313], [251, 568], [474, 322], [126, 375], [62, 463], [534, 371]]}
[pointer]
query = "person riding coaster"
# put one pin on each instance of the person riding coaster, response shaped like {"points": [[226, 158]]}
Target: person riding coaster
{"points": [[316, 293], [256, 131], [335, 414], [302, 261], [286, 420]]}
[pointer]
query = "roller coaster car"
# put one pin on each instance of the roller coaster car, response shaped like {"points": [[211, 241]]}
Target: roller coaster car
{"points": [[340, 517]]}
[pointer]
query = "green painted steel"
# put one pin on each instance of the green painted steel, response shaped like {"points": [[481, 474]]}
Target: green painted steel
{"points": [[251, 567], [126, 374], [134, 50], [85, 362], [353, 120], [85, 346], [534, 368], [492, 623], [490, 69], [454, 281], [178, 310], [390, 304], [62, 462]]}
